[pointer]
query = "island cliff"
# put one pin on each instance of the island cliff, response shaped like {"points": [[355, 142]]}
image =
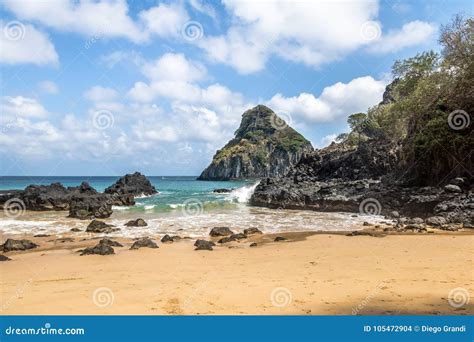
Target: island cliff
{"points": [[264, 146]]}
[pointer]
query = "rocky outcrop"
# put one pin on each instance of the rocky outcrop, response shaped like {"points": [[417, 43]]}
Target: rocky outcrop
{"points": [[264, 146], [82, 201], [47, 197], [90, 206], [360, 180], [134, 184]]}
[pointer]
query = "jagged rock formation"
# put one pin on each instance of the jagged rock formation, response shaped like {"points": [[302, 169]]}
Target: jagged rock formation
{"points": [[263, 146], [82, 201], [132, 184]]}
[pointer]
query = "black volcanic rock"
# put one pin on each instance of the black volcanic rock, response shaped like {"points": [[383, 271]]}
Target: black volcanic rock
{"points": [[263, 146], [110, 243], [220, 231], [97, 226], [17, 245], [134, 184], [136, 223], [222, 190], [102, 248], [85, 206], [203, 245], [167, 239], [4, 258], [144, 242]]}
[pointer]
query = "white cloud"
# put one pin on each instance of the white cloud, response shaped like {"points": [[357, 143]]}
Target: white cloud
{"points": [[203, 8], [307, 32], [48, 87], [22, 43], [174, 67], [411, 34], [100, 94], [109, 19], [165, 20], [19, 106], [328, 139], [336, 101], [304, 31]]}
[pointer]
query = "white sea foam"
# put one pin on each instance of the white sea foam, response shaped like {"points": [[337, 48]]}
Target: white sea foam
{"points": [[117, 207], [243, 194], [149, 207]]}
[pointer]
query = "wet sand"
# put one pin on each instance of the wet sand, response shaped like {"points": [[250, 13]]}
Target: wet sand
{"points": [[308, 274]]}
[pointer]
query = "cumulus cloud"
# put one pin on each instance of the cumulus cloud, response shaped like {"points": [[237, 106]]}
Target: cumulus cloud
{"points": [[102, 18], [411, 34], [174, 67], [263, 28], [22, 107], [165, 20], [22, 43], [307, 32], [336, 101], [100, 94]]}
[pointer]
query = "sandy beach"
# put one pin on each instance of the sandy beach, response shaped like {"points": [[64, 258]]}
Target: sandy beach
{"points": [[308, 274]]}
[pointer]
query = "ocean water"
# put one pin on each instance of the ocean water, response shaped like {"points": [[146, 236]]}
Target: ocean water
{"points": [[183, 206]]}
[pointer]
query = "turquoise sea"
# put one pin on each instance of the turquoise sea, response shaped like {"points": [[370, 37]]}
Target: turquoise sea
{"points": [[183, 206], [174, 191]]}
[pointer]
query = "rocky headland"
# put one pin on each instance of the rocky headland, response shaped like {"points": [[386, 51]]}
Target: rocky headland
{"points": [[83, 201]]}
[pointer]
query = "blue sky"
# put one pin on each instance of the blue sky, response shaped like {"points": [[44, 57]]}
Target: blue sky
{"points": [[109, 87]]}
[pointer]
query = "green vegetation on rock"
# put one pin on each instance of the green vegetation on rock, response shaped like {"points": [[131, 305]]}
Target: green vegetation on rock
{"points": [[427, 110]]}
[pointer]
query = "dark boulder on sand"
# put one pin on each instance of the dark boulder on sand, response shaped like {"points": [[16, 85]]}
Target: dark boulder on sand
{"points": [[203, 245], [134, 184], [144, 242], [110, 243], [4, 258], [279, 238], [17, 245], [102, 248], [252, 231], [220, 231], [136, 223], [167, 239], [233, 237], [97, 226]]}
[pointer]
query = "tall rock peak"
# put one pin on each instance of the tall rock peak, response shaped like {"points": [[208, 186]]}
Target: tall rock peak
{"points": [[264, 145]]}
